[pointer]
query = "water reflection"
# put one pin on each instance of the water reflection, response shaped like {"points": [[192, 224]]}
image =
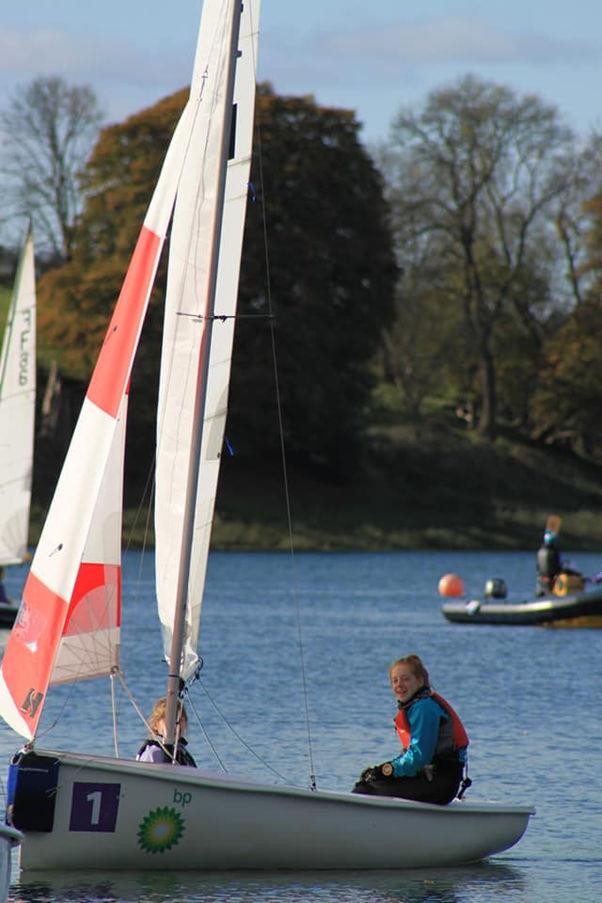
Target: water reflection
{"points": [[482, 882]]}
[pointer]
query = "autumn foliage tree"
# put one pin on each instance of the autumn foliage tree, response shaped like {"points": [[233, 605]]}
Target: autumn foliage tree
{"points": [[75, 301], [568, 402]]}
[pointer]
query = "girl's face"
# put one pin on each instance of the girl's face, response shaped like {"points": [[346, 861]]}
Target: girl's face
{"points": [[181, 726], [404, 682]]}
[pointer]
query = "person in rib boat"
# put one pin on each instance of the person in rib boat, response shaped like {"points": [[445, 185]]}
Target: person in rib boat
{"points": [[434, 742], [154, 748]]}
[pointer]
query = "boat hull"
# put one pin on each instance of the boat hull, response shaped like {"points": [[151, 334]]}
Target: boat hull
{"points": [[578, 610], [116, 814], [9, 838]]}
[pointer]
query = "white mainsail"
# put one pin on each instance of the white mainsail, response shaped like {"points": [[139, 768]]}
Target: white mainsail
{"points": [[17, 410], [189, 330]]}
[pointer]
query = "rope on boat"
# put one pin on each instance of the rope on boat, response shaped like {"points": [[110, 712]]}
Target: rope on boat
{"points": [[116, 672], [185, 693], [208, 740], [147, 493], [114, 713], [236, 734], [289, 518]]}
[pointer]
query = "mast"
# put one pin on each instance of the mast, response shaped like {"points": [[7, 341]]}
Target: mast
{"points": [[175, 658]]}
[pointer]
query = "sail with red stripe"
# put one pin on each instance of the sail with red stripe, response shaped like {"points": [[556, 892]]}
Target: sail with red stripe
{"points": [[68, 625]]}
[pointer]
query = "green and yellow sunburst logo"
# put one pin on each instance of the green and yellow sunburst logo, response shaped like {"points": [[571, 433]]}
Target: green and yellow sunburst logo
{"points": [[160, 830]]}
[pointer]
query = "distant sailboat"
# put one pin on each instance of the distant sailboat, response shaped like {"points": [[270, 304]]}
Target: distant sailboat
{"points": [[17, 413], [85, 811]]}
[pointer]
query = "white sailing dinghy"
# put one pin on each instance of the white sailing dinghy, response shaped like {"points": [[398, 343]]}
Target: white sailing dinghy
{"points": [[85, 811], [17, 413]]}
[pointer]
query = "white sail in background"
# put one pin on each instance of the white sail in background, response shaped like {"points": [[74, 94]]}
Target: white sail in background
{"points": [[187, 336], [17, 411]]}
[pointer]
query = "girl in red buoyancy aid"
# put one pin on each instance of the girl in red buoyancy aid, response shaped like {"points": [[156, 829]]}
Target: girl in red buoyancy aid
{"points": [[434, 742]]}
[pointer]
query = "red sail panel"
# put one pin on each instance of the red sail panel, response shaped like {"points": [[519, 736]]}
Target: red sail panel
{"points": [[96, 602], [113, 366], [30, 652], [89, 645]]}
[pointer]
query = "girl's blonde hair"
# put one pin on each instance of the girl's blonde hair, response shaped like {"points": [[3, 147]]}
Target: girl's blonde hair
{"points": [[414, 663], [158, 714]]}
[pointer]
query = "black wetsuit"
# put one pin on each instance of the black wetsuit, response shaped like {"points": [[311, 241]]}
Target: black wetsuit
{"points": [[549, 566], [159, 754]]}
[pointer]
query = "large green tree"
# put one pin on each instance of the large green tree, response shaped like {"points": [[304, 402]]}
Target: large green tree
{"points": [[319, 202], [316, 282]]}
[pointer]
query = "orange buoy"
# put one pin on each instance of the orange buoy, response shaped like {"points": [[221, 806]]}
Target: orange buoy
{"points": [[451, 585]]}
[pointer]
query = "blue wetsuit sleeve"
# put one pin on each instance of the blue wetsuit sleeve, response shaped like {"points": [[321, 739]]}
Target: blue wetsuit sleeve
{"points": [[424, 718]]}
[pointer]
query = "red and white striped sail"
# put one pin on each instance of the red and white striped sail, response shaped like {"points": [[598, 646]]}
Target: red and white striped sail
{"points": [[17, 411], [68, 625], [189, 337]]}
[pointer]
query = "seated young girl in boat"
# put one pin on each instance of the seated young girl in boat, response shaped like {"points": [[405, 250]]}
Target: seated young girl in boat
{"points": [[434, 742], [154, 749]]}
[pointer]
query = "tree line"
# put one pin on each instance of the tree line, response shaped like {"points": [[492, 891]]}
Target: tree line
{"points": [[494, 204], [456, 266]]}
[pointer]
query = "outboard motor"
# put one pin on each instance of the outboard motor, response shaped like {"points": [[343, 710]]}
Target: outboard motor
{"points": [[32, 783], [496, 588]]}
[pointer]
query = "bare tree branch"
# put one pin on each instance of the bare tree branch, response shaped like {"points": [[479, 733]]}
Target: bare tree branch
{"points": [[48, 130]]}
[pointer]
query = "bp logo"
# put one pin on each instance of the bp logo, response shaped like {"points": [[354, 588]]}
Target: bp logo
{"points": [[160, 830]]}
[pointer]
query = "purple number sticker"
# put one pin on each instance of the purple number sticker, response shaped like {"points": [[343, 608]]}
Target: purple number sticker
{"points": [[94, 806]]}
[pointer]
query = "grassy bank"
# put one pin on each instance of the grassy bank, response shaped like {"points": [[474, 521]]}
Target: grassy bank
{"points": [[440, 492], [442, 489]]}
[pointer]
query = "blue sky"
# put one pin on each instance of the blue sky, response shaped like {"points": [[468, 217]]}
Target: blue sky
{"points": [[372, 56]]}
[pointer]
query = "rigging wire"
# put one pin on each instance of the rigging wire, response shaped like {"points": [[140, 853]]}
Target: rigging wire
{"points": [[289, 517], [118, 673], [148, 492], [208, 740], [114, 713], [231, 727]]}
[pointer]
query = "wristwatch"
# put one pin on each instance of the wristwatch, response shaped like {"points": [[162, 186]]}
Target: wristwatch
{"points": [[387, 769]]}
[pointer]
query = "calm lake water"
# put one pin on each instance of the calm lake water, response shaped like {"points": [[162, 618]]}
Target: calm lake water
{"points": [[530, 698]]}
